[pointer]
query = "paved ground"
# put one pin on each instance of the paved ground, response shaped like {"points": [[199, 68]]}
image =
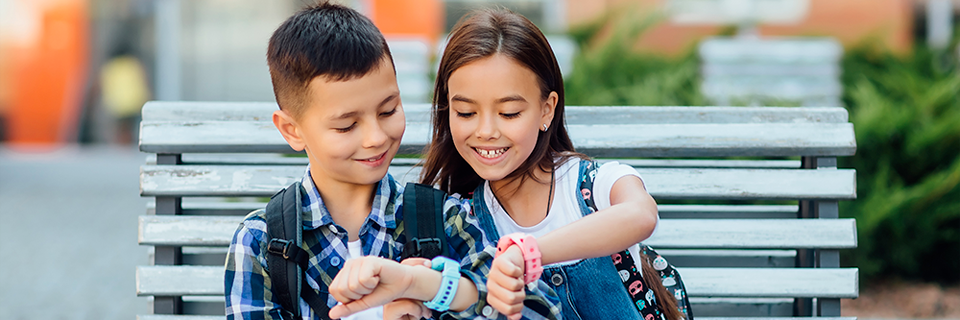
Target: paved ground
{"points": [[68, 234]]}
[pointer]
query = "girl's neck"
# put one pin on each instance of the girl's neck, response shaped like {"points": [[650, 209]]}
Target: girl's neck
{"points": [[526, 200]]}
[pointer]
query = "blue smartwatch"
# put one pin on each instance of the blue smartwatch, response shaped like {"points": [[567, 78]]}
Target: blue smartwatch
{"points": [[450, 273]]}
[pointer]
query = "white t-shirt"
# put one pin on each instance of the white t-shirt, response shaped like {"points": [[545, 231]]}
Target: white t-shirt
{"points": [[565, 208], [355, 250]]}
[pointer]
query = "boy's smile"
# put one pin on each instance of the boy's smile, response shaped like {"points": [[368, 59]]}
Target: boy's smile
{"points": [[350, 129]]}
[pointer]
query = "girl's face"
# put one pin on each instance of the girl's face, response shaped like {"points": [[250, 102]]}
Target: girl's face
{"points": [[496, 113]]}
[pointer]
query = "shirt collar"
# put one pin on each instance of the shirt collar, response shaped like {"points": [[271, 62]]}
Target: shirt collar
{"points": [[386, 202]]}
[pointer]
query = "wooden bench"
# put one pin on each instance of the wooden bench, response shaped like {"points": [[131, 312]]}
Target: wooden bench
{"points": [[753, 237]]}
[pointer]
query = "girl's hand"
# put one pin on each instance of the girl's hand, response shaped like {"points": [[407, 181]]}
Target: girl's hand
{"points": [[505, 283], [368, 282], [406, 309]]}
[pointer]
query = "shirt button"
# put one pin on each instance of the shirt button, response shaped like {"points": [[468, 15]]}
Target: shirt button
{"points": [[556, 279], [333, 229], [335, 261], [487, 311]]}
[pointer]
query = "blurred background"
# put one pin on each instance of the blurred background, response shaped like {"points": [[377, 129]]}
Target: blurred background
{"points": [[75, 73]]}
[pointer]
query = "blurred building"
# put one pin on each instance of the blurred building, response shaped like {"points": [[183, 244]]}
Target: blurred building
{"points": [[52, 50]]}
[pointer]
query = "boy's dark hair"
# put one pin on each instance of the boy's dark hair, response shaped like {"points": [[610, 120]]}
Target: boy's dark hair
{"points": [[328, 40]]}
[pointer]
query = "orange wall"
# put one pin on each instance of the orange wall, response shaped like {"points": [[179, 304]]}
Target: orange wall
{"points": [[48, 76], [850, 21]]}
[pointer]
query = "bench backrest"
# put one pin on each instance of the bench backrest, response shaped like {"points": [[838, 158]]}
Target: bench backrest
{"points": [[754, 236]]}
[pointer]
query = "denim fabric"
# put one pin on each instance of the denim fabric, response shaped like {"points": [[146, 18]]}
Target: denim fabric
{"points": [[590, 289]]}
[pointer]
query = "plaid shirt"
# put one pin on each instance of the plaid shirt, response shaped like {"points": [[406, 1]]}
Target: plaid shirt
{"points": [[247, 281]]}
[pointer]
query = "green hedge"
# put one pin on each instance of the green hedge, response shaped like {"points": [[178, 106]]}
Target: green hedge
{"points": [[906, 114]]}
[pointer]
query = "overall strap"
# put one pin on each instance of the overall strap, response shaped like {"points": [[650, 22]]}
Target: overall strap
{"points": [[285, 259], [423, 222], [482, 212]]}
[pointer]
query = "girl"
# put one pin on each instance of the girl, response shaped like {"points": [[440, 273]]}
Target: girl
{"points": [[499, 135]]}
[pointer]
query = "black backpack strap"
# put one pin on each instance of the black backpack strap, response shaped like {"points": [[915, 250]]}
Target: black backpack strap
{"points": [[285, 259], [423, 222]]}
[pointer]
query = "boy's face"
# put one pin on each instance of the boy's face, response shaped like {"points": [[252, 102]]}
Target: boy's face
{"points": [[350, 129]]}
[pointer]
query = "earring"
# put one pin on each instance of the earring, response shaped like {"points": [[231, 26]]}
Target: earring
{"points": [[544, 127]]}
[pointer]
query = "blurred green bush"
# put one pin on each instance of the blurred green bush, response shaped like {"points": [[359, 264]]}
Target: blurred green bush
{"points": [[906, 114]]}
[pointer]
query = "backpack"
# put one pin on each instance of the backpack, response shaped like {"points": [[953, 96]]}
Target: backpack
{"points": [[625, 263], [286, 261]]}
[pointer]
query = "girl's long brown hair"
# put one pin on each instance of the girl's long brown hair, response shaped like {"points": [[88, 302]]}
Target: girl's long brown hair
{"points": [[480, 34]]}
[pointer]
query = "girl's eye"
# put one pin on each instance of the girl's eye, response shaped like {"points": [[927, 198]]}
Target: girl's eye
{"points": [[347, 129], [510, 115], [388, 113], [465, 114]]}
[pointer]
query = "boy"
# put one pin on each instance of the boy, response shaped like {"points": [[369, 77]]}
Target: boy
{"points": [[334, 80]]}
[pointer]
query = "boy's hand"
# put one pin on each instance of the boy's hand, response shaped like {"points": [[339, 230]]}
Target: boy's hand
{"points": [[505, 283], [368, 282], [406, 309]]}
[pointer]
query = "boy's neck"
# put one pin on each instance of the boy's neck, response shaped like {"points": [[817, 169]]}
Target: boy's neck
{"points": [[348, 204], [524, 199]]}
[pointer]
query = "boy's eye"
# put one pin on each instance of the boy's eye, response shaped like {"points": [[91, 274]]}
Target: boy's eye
{"points": [[465, 114], [347, 129], [388, 113], [510, 115]]}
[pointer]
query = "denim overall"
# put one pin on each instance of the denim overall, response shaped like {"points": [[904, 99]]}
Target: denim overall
{"points": [[588, 289]]}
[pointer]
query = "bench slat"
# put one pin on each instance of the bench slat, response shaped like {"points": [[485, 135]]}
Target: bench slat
{"points": [[700, 282], [280, 159], [607, 140], [667, 211], [666, 183], [261, 111], [672, 233]]}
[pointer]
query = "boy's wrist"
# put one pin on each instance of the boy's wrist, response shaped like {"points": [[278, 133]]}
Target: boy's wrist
{"points": [[426, 283]]}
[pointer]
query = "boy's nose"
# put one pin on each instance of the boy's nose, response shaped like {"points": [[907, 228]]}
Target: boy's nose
{"points": [[374, 136]]}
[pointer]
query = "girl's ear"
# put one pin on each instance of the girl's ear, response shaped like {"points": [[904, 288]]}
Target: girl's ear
{"points": [[289, 129], [548, 108]]}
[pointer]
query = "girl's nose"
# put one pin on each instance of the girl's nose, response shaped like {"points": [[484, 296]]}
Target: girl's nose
{"points": [[487, 128]]}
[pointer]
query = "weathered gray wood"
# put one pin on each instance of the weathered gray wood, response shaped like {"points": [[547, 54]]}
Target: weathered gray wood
{"points": [[723, 258], [179, 280], [607, 140], [700, 282], [672, 233], [264, 181], [667, 211], [693, 211], [261, 111], [215, 208], [741, 307], [286, 159], [747, 234]]}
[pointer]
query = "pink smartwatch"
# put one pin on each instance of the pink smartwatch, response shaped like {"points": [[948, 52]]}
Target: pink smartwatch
{"points": [[531, 254]]}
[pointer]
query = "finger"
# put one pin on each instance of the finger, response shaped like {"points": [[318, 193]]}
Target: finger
{"points": [[369, 274], [401, 309], [375, 298], [512, 283], [515, 316], [512, 300], [340, 289], [507, 267], [416, 262]]}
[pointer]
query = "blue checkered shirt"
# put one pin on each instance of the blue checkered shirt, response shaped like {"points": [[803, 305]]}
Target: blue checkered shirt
{"points": [[248, 284]]}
